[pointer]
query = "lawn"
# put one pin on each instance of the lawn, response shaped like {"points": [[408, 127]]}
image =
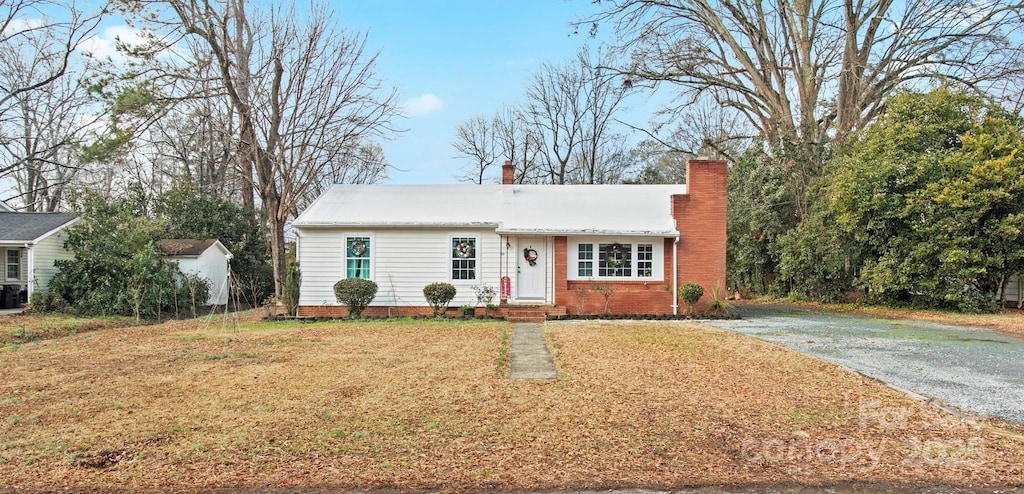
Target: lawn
{"points": [[424, 405], [22, 328]]}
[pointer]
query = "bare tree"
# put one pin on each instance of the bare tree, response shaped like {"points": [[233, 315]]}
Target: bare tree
{"points": [[26, 29], [519, 143], [42, 116], [573, 106], [303, 91], [42, 131], [476, 140], [364, 163], [804, 73]]}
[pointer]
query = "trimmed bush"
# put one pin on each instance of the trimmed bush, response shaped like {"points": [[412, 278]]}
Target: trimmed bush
{"points": [[690, 293], [355, 293], [439, 295]]}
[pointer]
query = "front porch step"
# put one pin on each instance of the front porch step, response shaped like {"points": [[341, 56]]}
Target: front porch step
{"points": [[531, 314]]}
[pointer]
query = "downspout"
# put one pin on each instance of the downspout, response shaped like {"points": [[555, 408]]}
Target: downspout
{"points": [[31, 271], [675, 277]]}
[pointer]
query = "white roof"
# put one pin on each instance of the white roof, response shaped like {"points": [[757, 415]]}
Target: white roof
{"points": [[636, 210]]}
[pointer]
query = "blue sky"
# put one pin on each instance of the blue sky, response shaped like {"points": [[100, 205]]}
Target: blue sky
{"points": [[451, 60]]}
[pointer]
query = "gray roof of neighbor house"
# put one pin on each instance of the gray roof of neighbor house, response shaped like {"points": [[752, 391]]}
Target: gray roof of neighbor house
{"points": [[188, 246], [29, 227]]}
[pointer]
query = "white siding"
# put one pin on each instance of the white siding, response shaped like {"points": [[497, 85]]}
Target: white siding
{"points": [[212, 265], [403, 262], [45, 253]]}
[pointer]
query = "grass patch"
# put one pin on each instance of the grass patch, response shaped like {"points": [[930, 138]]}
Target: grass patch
{"points": [[21, 328], [417, 404]]}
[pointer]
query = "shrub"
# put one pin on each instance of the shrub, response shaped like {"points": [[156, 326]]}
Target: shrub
{"points": [[355, 293], [466, 310], [292, 282], [196, 291], [48, 302], [718, 305], [690, 293], [439, 295], [484, 294]]}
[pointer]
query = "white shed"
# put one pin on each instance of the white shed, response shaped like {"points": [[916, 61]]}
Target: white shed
{"points": [[207, 258]]}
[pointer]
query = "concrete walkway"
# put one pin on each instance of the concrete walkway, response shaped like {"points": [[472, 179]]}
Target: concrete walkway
{"points": [[531, 359]]}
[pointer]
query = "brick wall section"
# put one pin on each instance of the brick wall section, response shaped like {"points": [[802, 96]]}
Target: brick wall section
{"points": [[700, 218], [628, 297]]}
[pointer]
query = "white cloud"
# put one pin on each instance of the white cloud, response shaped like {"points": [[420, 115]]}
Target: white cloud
{"points": [[104, 45], [422, 105]]}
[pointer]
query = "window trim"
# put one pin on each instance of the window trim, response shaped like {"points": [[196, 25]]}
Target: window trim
{"points": [[658, 254], [451, 258], [8, 264], [371, 250]]}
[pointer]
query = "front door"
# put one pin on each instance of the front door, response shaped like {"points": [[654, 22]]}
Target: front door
{"points": [[531, 269]]}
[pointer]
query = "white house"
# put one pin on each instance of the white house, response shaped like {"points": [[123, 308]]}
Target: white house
{"points": [[208, 259], [555, 246], [30, 243]]}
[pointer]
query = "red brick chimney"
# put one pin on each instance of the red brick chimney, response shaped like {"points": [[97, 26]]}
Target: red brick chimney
{"points": [[700, 217], [508, 173]]}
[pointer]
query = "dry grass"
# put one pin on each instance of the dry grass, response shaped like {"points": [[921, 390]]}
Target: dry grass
{"points": [[423, 405], [21, 328]]}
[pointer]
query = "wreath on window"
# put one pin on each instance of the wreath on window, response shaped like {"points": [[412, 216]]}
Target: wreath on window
{"points": [[463, 250], [614, 256], [358, 248], [530, 254]]}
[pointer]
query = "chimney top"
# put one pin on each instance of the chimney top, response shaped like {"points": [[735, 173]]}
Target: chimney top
{"points": [[508, 173]]}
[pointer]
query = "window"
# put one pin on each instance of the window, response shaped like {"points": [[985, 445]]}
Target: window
{"points": [[463, 258], [610, 258], [586, 259], [357, 257], [615, 260], [645, 260], [13, 264]]}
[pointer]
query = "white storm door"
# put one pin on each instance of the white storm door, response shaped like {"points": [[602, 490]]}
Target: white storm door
{"points": [[531, 276]]}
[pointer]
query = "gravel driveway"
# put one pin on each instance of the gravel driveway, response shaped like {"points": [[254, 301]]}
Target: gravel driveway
{"points": [[972, 369]]}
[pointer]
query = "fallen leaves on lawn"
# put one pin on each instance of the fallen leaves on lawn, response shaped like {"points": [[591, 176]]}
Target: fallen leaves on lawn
{"points": [[423, 405]]}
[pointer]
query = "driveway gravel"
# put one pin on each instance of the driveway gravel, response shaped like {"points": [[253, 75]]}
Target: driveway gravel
{"points": [[974, 370]]}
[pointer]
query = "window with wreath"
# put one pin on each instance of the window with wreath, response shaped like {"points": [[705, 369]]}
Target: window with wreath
{"points": [[463, 258], [357, 257], [616, 260], [13, 264]]}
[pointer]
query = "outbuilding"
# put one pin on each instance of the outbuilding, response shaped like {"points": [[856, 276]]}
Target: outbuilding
{"points": [[206, 258]]}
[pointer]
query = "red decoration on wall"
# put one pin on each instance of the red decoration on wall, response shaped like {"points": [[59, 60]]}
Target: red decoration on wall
{"points": [[506, 288]]}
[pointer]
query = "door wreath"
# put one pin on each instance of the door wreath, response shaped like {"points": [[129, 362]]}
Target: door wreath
{"points": [[530, 254], [358, 248]]}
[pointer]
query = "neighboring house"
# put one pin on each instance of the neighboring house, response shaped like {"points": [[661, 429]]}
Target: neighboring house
{"points": [[554, 246], [208, 259], [1012, 294], [29, 245]]}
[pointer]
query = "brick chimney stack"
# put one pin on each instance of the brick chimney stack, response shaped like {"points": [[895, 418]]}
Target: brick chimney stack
{"points": [[508, 173]]}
